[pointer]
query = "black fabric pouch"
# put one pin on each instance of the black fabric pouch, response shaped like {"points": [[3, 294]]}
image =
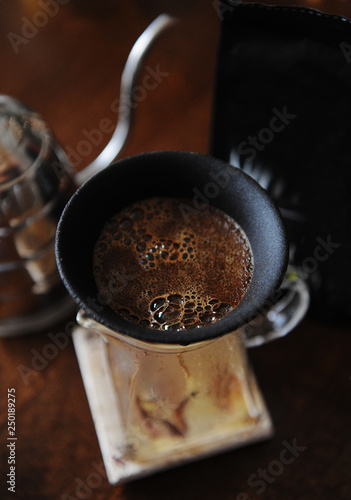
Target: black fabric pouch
{"points": [[282, 111]]}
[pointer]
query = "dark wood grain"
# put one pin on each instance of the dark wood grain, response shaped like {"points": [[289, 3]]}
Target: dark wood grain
{"points": [[70, 72]]}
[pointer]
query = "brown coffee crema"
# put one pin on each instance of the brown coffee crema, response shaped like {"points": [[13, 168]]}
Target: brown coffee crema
{"points": [[157, 270]]}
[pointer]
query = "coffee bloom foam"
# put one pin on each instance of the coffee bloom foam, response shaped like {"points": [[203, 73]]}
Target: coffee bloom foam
{"points": [[155, 270]]}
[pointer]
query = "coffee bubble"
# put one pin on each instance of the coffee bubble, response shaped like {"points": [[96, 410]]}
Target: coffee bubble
{"points": [[155, 270]]}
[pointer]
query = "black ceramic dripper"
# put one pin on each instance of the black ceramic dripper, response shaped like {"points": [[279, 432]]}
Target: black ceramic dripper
{"points": [[170, 174]]}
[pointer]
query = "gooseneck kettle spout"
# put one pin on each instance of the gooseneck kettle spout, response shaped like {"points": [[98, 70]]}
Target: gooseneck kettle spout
{"points": [[129, 77]]}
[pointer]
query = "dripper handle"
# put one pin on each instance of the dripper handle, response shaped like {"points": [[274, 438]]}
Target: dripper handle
{"points": [[282, 313]]}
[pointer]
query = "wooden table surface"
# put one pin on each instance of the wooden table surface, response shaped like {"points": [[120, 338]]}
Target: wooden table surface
{"points": [[67, 64]]}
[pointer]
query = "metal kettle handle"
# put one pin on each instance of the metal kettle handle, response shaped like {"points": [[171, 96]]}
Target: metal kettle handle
{"points": [[129, 76]]}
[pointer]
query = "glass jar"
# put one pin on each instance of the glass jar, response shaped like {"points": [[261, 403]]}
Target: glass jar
{"points": [[177, 402]]}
